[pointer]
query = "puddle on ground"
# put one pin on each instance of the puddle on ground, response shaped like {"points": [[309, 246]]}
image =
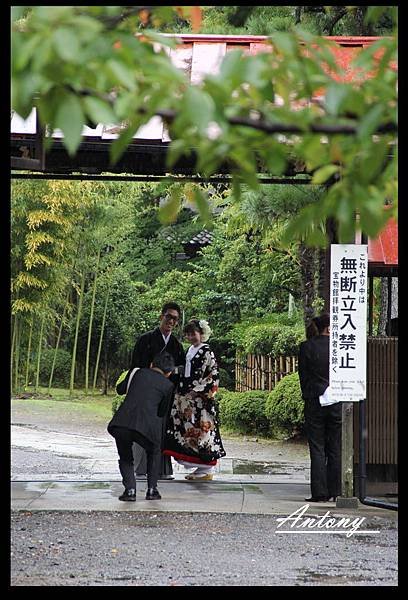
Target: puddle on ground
{"points": [[95, 485], [332, 578], [246, 467]]}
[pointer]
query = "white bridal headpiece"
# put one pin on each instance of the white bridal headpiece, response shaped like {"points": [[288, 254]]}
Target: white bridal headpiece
{"points": [[205, 329]]}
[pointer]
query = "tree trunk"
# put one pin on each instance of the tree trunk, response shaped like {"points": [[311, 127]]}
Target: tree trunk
{"points": [[37, 375], [29, 353], [58, 342], [88, 346], [307, 272], [78, 319], [101, 338]]}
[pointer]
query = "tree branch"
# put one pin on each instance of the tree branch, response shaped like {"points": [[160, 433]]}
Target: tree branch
{"points": [[265, 126]]}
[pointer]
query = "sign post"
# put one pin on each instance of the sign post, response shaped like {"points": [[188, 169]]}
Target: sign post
{"points": [[348, 346]]}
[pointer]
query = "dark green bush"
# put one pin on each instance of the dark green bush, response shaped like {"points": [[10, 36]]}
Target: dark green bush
{"points": [[284, 406], [243, 411], [226, 381], [62, 368]]}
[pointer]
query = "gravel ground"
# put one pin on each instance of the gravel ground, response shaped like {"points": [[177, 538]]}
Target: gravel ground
{"points": [[169, 549], [166, 549]]}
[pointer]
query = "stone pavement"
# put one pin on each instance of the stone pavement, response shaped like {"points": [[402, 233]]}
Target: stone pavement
{"points": [[230, 494], [54, 471]]}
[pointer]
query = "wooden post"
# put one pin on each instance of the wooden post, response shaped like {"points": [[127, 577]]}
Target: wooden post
{"points": [[347, 453], [347, 498]]}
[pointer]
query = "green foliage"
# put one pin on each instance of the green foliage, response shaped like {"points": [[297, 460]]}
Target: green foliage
{"points": [[284, 406], [276, 335], [68, 60], [243, 411], [118, 399], [62, 366]]}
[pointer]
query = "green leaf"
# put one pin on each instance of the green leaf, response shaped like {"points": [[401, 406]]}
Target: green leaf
{"points": [[276, 161], [67, 44], [169, 211], [334, 98], [285, 42], [98, 110], [161, 39], [176, 149], [201, 201], [199, 108], [323, 174], [122, 73], [70, 119], [231, 66], [370, 121], [118, 147]]}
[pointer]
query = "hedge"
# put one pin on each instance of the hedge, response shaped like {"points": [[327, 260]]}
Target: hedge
{"points": [[243, 411], [277, 336], [284, 406]]}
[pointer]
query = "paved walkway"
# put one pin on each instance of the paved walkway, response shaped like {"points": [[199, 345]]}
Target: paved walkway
{"points": [[54, 470], [226, 495]]}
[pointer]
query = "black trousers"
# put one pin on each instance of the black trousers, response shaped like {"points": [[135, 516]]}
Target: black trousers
{"points": [[323, 430], [125, 438], [140, 458]]}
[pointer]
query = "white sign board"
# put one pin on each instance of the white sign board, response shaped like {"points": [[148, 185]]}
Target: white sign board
{"points": [[348, 322]]}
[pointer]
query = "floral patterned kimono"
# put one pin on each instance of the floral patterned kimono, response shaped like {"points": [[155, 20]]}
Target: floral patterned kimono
{"points": [[192, 428]]}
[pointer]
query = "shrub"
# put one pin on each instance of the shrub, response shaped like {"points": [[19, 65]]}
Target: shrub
{"points": [[117, 401], [284, 406], [62, 368], [243, 411], [277, 335]]}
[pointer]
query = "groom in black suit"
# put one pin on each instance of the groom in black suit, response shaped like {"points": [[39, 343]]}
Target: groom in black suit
{"points": [[148, 345]]}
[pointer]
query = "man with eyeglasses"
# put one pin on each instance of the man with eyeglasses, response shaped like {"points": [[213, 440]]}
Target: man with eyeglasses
{"points": [[147, 346]]}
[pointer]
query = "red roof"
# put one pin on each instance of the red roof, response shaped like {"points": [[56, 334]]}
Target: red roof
{"points": [[383, 250]]}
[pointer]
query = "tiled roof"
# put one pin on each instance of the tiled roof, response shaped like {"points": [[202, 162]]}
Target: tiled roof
{"points": [[383, 250]]}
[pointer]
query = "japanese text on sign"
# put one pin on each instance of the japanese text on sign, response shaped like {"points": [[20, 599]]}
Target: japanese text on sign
{"points": [[348, 322]]}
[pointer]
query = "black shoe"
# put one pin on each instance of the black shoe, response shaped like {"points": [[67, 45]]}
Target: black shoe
{"points": [[153, 494], [166, 477], [128, 495], [317, 499]]}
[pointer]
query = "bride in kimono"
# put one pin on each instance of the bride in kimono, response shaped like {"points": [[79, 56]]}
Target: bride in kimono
{"points": [[192, 434]]}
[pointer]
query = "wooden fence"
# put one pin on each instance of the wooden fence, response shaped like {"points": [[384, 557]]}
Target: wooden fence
{"points": [[258, 372], [381, 405]]}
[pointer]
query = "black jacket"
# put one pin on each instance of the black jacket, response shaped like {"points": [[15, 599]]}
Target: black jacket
{"points": [[314, 366], [147, 401], [151, 343]]}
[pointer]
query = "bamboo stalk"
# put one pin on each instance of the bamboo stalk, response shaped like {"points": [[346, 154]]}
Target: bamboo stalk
{"points": [[29, 352], [57, 344], [88, 345], [37, 375], [78, 319], [100, 339]]}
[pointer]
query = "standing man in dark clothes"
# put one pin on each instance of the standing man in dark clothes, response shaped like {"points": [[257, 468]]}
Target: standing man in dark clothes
{"points": [[147, 346], [139, 418], [322, 423]]}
